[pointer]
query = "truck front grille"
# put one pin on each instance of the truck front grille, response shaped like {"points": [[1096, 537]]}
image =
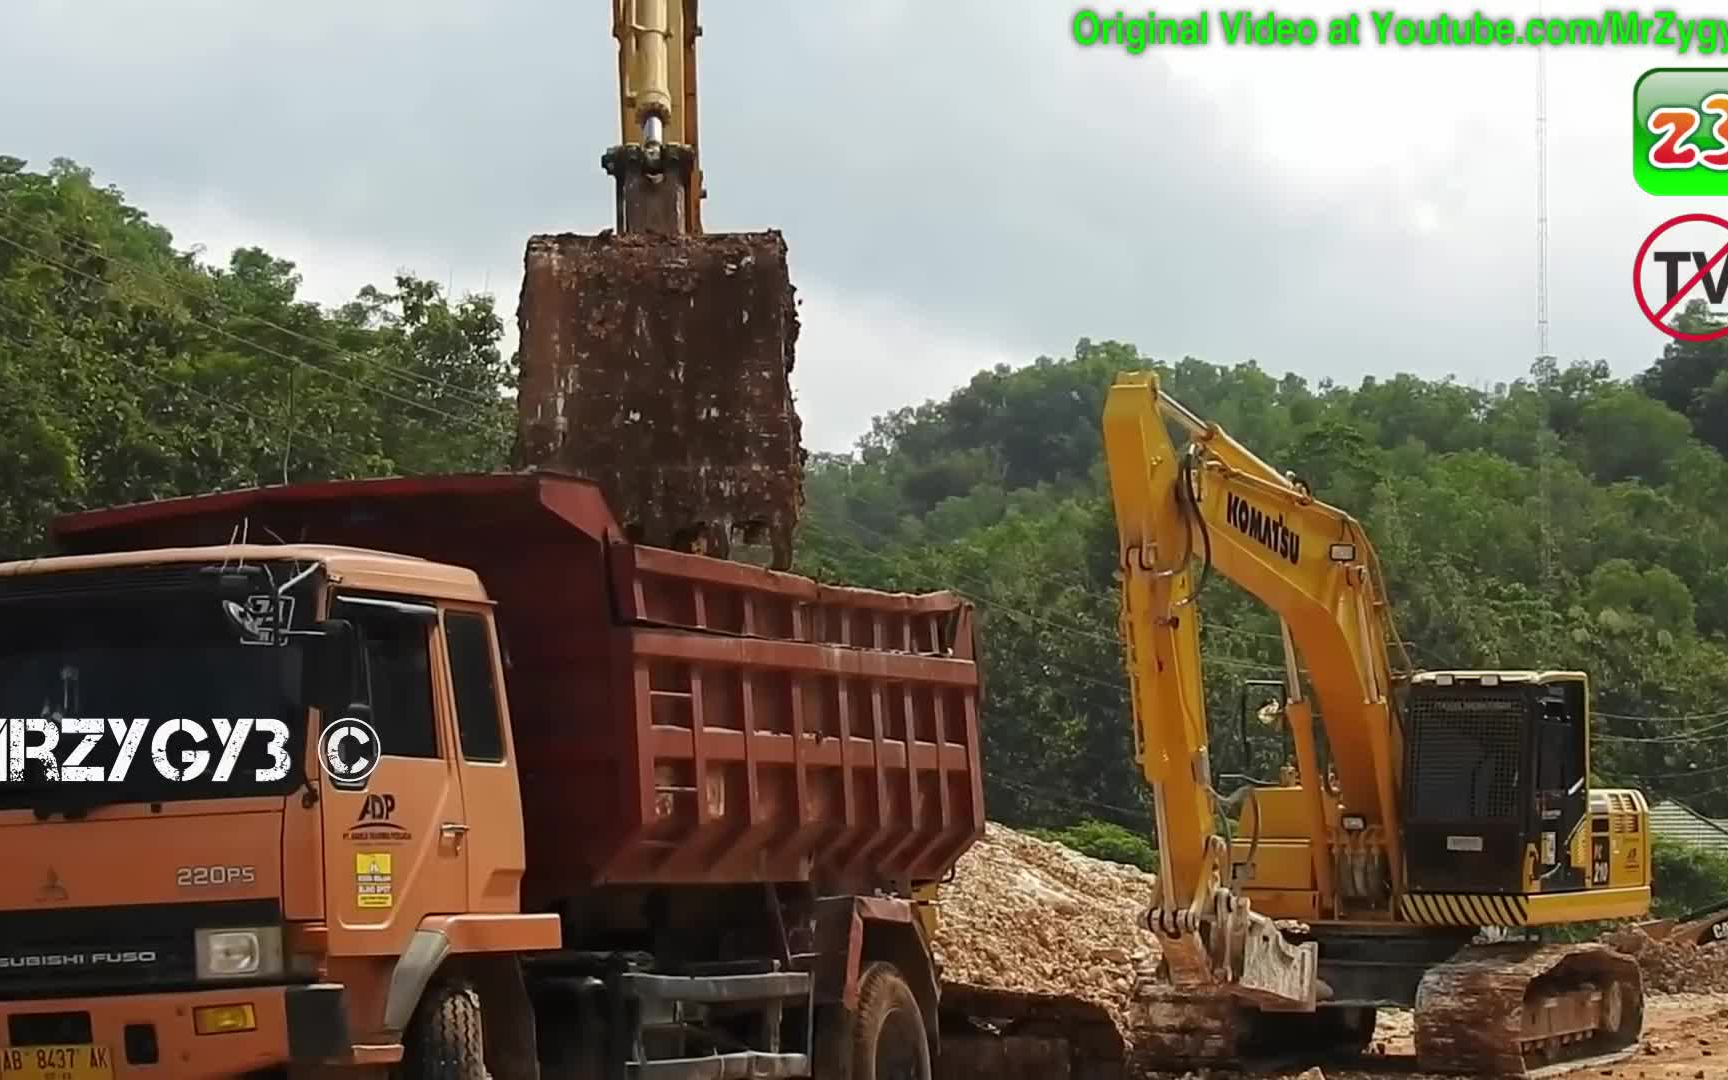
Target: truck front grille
{"points": [[112, 950]]}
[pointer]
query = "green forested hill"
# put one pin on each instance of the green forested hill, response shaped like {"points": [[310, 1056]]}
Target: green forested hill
{"points": [[1564, 520], [128, 371]]}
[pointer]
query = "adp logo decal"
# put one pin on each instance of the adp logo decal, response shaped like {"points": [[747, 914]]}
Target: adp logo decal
{"points": [[1684, 260], [377, 822], [1680, 131], [349, 751]]}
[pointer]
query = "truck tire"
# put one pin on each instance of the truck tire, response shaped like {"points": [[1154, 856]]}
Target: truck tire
{"points": [[445, 1040], [888, 1037]]}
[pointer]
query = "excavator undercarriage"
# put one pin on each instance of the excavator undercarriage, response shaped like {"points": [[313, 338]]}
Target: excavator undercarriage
{"points": [[1504, 1009], [1511, 1009]]}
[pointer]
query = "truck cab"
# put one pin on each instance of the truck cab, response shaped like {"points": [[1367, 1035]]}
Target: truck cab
{"points": [[452, 775], [196, 889]]}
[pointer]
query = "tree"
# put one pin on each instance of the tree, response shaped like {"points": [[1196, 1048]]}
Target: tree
{"points": [[135, 372]]}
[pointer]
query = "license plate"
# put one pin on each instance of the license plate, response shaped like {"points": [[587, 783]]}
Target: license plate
{"points": [[76, 1062]]}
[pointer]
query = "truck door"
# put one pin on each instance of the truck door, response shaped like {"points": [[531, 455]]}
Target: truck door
{"points": [[486, 765], [397, 850]]}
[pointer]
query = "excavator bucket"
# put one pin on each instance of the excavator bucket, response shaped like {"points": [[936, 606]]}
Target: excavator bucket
{"points": [[658, 366]]}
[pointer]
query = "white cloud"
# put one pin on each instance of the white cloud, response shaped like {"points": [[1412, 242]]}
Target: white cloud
{"points": [[867, 356], [954, 188]]}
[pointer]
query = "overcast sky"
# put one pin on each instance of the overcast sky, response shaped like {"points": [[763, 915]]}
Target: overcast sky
{"points": [[960, 184]]}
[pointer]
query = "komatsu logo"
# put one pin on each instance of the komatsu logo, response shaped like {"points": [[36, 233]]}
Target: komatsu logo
{"points": [[1268, 531]]}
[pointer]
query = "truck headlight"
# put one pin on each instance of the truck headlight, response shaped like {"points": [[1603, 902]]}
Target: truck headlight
{"points": [[241, 953]]}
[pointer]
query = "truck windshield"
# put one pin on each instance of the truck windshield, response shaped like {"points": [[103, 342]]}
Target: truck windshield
{"points": [[191, 703]]}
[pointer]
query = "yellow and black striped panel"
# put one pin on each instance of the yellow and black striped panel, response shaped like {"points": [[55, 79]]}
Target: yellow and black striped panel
{"points": [[1465, 909]]}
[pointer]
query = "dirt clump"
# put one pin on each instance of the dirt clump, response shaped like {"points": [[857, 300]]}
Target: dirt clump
{"points": [[658, 367], [1032, 916], [1674, 967]]}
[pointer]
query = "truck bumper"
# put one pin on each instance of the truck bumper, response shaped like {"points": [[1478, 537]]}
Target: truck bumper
{"points": [[196, 1035]]}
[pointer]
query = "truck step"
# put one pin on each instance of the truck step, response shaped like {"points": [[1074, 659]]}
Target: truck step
{"points": [[717, 989], [747, 1066]]}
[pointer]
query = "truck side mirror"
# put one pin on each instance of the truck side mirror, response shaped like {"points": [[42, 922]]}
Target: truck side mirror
{"points": [[328, 668]]}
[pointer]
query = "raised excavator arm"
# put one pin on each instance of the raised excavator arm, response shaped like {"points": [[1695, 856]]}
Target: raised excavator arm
{"points": [[1220, 501], [655, 163]]}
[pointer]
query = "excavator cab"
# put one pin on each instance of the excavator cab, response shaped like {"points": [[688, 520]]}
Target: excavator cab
{"points": [[1495, 781]]}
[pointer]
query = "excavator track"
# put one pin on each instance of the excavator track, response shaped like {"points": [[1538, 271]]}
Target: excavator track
{"points": [[1003, 1035], [1175, 1029], [1519, 1009], [1182, 1028]]}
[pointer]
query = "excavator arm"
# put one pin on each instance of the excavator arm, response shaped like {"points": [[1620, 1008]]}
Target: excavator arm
{"points": [[1214, 505], [659, 178]]}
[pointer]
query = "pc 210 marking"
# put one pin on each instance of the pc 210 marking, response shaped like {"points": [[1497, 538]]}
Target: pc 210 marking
{"points": [[194, 877]]}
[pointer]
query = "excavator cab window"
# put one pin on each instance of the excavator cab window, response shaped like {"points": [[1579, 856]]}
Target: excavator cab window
{"points": [[1559, 796], [1262, 735]]}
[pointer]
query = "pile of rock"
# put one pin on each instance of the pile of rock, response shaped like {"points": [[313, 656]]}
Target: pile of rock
{"points": [[1675, 967], [1027, 915]]}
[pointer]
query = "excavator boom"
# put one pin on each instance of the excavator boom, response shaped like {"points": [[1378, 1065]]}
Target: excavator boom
{"points": [[1219, 504]]}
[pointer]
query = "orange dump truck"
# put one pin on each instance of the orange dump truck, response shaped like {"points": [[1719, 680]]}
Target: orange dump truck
{"points": [[439, 772]]}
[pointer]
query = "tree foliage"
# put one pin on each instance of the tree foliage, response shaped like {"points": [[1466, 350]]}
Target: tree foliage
{"points": [[1107, 841], [132, 371], [1566, 519]]}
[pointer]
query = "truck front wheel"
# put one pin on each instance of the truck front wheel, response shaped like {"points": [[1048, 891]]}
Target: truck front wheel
{"points": [[888, 1037], [445, 1040]]}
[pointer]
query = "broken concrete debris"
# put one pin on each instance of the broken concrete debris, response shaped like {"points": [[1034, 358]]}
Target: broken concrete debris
{"points": [[1032, 916]]}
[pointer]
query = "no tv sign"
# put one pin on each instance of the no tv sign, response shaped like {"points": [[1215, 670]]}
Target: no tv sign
{"points": [[1682, 260]]}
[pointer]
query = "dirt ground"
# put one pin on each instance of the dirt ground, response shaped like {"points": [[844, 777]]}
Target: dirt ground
{"points": [[1031, 916], [1685, 1038]]}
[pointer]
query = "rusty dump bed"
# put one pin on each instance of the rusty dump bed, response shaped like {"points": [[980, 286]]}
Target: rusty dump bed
{"points": [[659, 366], [678, 718]]}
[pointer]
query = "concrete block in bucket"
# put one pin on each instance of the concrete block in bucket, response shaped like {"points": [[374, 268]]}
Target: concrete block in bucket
{"points": [[658, 367]]}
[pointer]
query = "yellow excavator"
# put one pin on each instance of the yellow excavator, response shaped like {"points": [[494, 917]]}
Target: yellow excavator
{"points": [[1428, 826]]}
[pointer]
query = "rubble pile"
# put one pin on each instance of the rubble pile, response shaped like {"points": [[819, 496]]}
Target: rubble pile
{"points": [[1675, 967], [1031, 916]]}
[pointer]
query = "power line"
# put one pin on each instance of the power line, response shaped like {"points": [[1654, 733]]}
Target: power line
{"points": [[185, 291], [1664, 719], [164, 380], [1110, 640], [464, 421], [989, 602], [1136, 819]]}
